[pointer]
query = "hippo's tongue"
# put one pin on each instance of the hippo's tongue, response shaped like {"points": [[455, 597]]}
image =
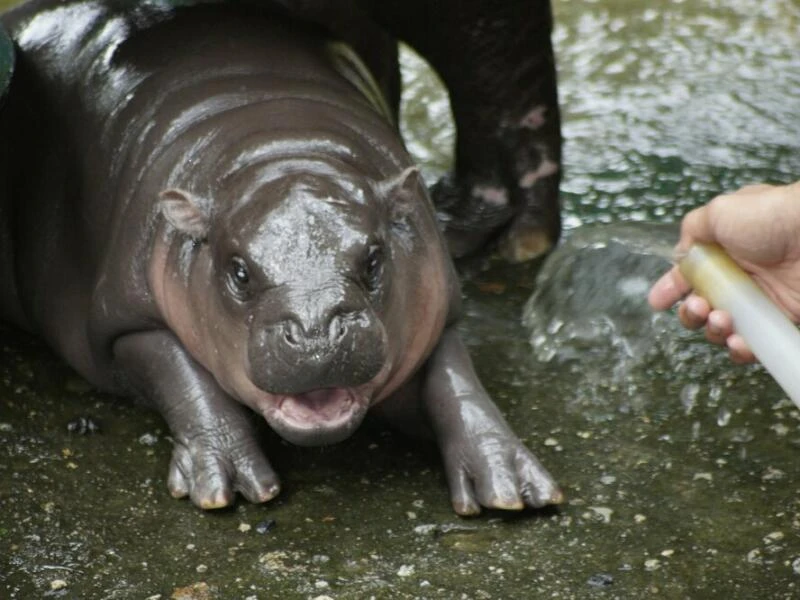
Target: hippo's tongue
{"points": [[319, 406]]}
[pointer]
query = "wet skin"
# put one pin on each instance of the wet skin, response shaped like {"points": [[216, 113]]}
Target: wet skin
{"points": [[199, 210]]}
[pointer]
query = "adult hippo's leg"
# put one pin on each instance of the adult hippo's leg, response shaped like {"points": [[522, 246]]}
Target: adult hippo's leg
{"points": [[216, 452], [496, 59], [353, 22]]}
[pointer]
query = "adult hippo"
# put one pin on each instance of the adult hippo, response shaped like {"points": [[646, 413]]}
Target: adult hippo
{"points": [[199, 208]]}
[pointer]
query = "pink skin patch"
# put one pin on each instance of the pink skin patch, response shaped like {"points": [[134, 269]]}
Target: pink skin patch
{"points": [[496, 196], [546, 168], [535, 118]]}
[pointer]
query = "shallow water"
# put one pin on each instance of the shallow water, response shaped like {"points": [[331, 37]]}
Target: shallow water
{"points": [[681, 470]]}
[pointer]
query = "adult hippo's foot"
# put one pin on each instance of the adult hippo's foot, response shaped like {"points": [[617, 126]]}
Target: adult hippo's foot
{"points": [[216, 452], [475, 214], [485, 463]]}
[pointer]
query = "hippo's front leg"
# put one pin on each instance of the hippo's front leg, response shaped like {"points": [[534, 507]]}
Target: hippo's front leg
{"points": [[486, 464], [216, 451]]}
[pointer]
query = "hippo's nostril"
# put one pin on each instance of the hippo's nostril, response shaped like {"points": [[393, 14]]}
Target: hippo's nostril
{"points": [[291, 333], [337, 328]]}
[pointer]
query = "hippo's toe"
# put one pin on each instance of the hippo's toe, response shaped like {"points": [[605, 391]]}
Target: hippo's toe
{"points": [[502, 475], [524, 241], [538, 487], [211, 476]]}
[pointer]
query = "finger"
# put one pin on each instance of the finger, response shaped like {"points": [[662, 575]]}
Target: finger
{"points": [[739, 350], [714, 337], [696, 226], [670, 288], [719, 327], [755, 189], [693, 312]]}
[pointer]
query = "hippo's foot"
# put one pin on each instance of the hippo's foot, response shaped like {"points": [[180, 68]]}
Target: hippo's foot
{"points": [[212, 466], [485, 463], [475, 215], [495, 470], [216, 451]]}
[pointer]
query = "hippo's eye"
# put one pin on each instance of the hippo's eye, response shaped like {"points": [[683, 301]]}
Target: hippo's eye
{"points": [[373, 268], [238, 275]]}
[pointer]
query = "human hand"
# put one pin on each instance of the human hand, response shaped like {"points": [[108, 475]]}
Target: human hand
{"points": [[759, 228]]}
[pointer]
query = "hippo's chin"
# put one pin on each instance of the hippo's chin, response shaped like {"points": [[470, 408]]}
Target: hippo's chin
{"points": [[317, 417]]}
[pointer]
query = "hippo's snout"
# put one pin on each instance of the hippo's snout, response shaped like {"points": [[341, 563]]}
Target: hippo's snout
{"points": [[295, 336], [294, 356]]}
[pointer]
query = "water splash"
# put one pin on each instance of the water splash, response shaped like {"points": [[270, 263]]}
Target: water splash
{"points": [[589, 315]]}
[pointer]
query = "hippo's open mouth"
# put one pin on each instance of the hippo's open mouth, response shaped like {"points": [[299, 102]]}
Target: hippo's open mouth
{"points": [[328, 406], [318, 417]]}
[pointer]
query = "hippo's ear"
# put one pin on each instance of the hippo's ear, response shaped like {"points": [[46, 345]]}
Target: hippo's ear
{"points": [[402, 193], [184, 212]]}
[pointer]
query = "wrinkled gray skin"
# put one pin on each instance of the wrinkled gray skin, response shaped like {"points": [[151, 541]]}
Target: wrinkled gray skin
{"points": [[199, 210]]}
